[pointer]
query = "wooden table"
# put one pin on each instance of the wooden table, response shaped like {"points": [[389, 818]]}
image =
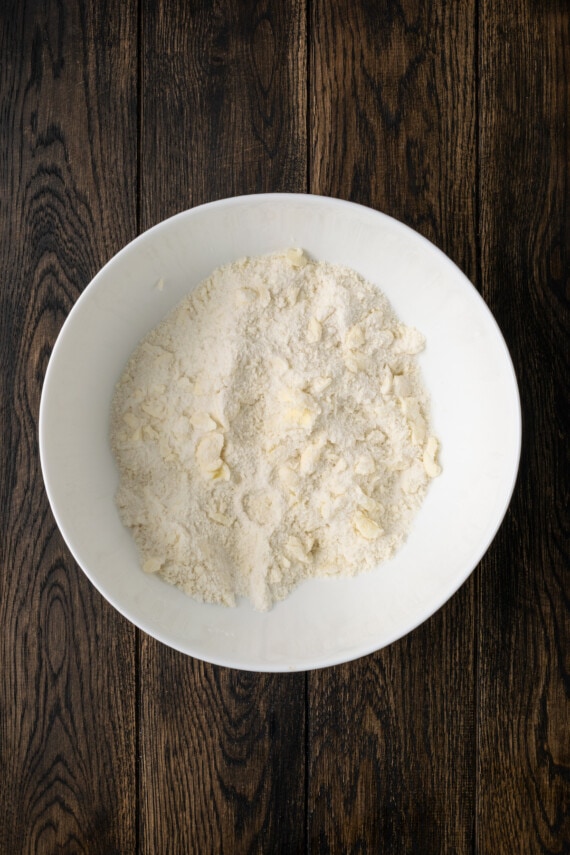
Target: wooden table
{"points": [[451, 116]]}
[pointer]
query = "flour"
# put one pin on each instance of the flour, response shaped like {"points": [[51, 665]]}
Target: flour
{"points": [[272, 428]]}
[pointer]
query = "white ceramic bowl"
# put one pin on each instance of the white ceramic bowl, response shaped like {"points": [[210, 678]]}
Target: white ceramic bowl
{"points": [[475, 413]]}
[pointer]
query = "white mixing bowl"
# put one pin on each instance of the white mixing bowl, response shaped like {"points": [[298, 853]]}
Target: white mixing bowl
{"points": [[475, 414]]}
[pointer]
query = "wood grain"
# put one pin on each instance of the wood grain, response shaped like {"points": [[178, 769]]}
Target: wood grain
{"points": [[524, 640], [224, 102], [393, 119], [224, 112], [223, 757], [67, 172]]}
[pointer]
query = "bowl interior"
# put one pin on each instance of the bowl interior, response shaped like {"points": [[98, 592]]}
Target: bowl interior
{"points": [[475, 414]]}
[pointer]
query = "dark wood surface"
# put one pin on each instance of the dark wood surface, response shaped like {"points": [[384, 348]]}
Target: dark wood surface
{"points": [[453, 117]]}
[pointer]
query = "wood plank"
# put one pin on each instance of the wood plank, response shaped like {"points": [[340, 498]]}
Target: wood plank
{"points": [[222, 757], [224, 107], [393, 117], [524, 734], [224, 112], [67, 173]]}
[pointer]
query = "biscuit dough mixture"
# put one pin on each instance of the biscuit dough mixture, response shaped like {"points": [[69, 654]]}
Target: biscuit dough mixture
{"points": [[273, 427]]}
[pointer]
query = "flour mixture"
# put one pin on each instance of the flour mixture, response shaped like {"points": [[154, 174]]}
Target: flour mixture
{"points": [[272, 428]]}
